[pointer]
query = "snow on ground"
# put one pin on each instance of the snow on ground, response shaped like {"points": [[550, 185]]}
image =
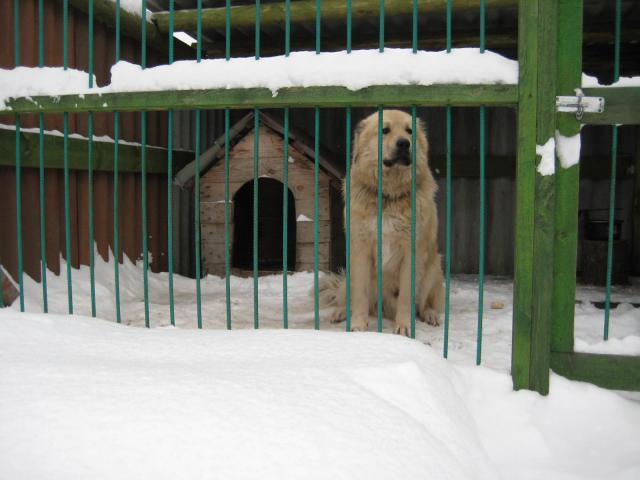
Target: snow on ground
{"points": [[357, 70], [624, 326], [87, 398]]}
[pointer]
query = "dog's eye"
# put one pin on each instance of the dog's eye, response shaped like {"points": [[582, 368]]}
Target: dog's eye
{"points": [[385, 130], [409, 130]]}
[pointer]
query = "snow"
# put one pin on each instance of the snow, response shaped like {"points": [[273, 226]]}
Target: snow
{"points": [[547, 152], [133, 6], [303, 218], [568, 149], [357, 70], [28, 82], [589, 81], [88, 398]]}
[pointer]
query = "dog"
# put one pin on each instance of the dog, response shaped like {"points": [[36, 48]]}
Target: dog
{"points": [[396, 229]]}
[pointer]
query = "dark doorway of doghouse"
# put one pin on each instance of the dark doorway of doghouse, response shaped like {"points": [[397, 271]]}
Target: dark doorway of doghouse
{"points": [[270, 223]]}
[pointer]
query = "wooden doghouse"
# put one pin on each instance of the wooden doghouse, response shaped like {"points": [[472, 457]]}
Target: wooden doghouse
{"points": [[270, 201]]}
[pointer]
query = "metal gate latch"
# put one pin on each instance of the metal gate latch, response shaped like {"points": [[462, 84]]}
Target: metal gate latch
{"points": [[580, 104]]}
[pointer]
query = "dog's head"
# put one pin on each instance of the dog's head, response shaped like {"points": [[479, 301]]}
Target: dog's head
{"points": [[396, 134]]}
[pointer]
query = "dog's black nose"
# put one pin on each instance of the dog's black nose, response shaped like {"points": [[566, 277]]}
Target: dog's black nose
{"points": [[403, 144]]}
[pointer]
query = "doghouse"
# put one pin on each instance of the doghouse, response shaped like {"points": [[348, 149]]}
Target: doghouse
{"points": [[300, 240]]}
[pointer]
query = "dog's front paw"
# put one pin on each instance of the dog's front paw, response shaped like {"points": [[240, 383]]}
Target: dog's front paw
{"points": [[402, 329], [431, 317], [359, 324], [338, 315]]}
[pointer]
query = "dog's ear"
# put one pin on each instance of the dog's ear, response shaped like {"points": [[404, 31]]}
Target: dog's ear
{"points": [[355, 145], [423, 142]]}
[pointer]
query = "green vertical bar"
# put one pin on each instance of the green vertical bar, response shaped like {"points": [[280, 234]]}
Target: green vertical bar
{"points": [[614, 159], [227, 243], [381, 28], [92, 277], [172, 317], [227, 29], [481, 238], [567, 192], [256, 159], [287, 27], [143, 173], [316, 176], [482, 203], [43, 212], [447, 256], [379, 219], [413, 219], [19, 213], [318, 19], [612, 206], [67, 215], [349, 22], [197, 233], [116, 162], [285, 220], [447, 297], [197, 230], [414, 45], [316, 214], [257, 34], [347, 208]]}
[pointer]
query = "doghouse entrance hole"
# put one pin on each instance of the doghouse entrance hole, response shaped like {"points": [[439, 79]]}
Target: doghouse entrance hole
{"points": [[270, 224]]}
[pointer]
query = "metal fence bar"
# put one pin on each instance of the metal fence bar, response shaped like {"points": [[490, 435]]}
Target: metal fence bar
{"points": [[481, 233], [196, 188], [43, 213], [92, 276], [316, 175], [172, 317], [285, 220], [614, 158], [445, 351], [143, 174], [116, 158], [379, 219], [381, 29], [414, 45], [256, 160], [347, 221], [67, 214], [227, 243]]}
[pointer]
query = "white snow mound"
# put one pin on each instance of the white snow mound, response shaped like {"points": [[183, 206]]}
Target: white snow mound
{"points": [[92, 399]]}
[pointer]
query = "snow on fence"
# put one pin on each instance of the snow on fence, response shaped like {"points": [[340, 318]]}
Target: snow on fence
{"points": [[406, 78]]}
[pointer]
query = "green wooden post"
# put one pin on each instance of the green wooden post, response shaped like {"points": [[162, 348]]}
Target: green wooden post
{"points": [[567, 181], [533, 277]]}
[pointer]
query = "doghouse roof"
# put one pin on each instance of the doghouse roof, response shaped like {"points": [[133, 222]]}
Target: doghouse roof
{"points": [[297, 140]]}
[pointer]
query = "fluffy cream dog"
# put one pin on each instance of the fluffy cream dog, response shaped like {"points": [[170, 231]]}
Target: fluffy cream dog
{"points": [[396, 229]]}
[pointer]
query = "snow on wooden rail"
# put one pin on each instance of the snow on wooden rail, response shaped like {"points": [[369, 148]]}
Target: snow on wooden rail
{"points": [[355, 71]]}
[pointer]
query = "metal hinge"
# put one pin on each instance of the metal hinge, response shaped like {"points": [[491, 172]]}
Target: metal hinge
{"points": [[580, 104]]}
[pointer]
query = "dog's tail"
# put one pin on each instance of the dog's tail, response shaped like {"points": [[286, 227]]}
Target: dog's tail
{"points": [[332, 290]]}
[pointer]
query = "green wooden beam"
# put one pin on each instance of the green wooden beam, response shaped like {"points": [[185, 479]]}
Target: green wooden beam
{"points": [[244, 16], [299, 97], [533, 276], [102, 154], [621, 106], [105, 12], [569, 74], [618, 372]]}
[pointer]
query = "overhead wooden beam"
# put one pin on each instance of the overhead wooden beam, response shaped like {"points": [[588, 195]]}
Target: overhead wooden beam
{"points": [[305, 11], [129, 159], [298, 97], [104, 11]]}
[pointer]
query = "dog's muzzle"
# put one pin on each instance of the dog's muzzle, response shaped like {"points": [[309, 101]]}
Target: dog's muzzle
{"points": [[402, 154]]}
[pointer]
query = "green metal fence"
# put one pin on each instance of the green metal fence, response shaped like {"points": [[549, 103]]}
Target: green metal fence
{"points": [[549, 42]]}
